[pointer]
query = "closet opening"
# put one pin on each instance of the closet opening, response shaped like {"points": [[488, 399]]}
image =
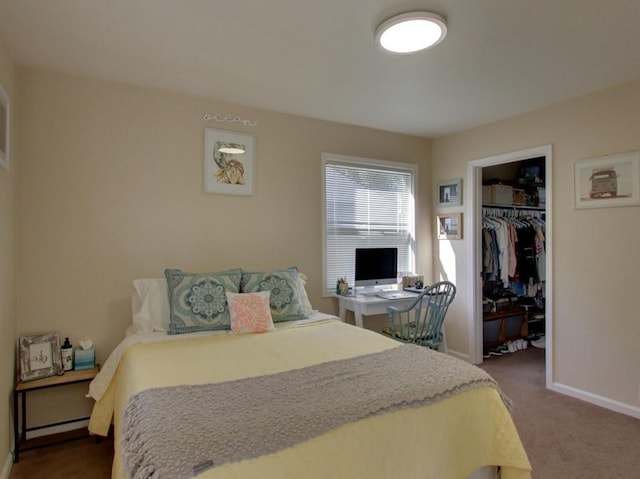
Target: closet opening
{"points": [[513, 272], [511, 239]]}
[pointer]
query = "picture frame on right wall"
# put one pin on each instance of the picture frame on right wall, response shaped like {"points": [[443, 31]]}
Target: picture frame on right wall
{"points": [[607, 181]]}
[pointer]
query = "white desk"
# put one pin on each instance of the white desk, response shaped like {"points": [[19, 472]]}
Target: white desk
{"points": [[362, 305]]}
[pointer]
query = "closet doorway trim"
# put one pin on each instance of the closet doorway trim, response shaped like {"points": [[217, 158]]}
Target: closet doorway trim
{"points": [[474, 225]]}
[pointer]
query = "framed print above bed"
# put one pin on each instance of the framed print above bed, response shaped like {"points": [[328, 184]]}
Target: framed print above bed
{"points": [[39, 356], [228, 162], [4, 128]]}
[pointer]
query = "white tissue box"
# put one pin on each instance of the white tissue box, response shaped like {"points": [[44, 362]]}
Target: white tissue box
{"points": [[85, 358]]}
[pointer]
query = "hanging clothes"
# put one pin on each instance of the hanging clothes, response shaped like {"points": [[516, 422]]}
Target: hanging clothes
{"points": [[513, 249]]}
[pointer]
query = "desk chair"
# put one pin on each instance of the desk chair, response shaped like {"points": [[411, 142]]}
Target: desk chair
{"points": [[421, 322]]}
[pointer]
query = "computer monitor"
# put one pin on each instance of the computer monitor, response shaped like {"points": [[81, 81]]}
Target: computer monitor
{"points": [[376, 266]]}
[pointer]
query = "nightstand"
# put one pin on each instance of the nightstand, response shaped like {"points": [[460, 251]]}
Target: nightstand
{"points": [[21, 389]]}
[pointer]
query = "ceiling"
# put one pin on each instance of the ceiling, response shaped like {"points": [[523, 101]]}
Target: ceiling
{"points": [[317, 58]]}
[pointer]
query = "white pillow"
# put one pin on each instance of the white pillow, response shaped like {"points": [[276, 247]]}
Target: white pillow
{"points": [[150, 305], [304, 298]]}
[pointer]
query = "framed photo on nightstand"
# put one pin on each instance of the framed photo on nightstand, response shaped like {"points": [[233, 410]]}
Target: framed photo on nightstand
{"points": [[39, 356]]}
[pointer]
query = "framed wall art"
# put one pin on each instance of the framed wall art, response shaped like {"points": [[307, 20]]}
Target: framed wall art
{"points": [[5, 119], [449, 193], [450, 226], [607, 181], [228, 162], [39, 356]]}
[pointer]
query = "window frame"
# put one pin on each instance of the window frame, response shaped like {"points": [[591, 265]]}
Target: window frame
{"points": [[373, 163]]}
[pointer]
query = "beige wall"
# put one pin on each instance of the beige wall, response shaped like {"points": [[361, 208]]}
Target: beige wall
{"points": [[595, 252], [111, 189], [7, 273]]}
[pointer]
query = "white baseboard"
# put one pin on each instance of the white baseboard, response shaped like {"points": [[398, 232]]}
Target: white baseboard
{"points": [[459, 355], [46, 431], [6, 470], [601, 401], [604, 402]]}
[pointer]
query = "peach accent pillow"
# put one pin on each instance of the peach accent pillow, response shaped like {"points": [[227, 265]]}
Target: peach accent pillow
{"points": [[250, 312]]}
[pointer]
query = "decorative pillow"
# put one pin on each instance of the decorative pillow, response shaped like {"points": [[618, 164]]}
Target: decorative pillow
{"points": [[150, 305], [285, 292], [307, 309], [198, 301], [250, 312]]}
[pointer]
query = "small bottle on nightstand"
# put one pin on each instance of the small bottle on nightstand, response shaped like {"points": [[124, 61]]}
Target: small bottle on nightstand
{"points": [[66, 353]]}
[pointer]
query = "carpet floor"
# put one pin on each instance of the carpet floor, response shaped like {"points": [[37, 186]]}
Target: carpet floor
{"points": [[565, 438]]}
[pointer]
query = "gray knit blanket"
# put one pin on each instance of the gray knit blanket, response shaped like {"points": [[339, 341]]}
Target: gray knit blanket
{"points": [[180, 431]]}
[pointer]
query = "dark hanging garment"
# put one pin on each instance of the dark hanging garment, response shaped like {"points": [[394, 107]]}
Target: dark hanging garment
{"points": [[526, 254]]}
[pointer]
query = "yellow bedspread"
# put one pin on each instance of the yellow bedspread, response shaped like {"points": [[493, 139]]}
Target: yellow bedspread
{"points": [[449, 439]]}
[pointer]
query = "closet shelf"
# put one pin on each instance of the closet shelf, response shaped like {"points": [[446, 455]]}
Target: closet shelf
{"points": [[515, 207]]}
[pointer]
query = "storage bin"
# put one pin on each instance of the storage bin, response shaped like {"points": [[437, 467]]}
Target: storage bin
{"points": [[519, 197], [491, 330], [531, 174], [501, 194], [505, 304], [512, 326], [486, 194]]}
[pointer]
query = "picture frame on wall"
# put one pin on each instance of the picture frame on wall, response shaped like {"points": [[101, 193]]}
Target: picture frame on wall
{"points": [[607, 181], [449, 226], [5, 121], [449, 193], [39, 356], [228, 162]]}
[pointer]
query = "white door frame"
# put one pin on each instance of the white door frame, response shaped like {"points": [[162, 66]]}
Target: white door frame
{"points": [[474, 246]]}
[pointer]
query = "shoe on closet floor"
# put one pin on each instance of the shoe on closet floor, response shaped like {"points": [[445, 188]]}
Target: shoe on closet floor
{"points": [[539, 343], [495, 351]]}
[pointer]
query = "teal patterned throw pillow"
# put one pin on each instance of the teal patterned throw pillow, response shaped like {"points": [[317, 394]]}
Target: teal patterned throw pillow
{"points": [[198, 301], [285, 298]]}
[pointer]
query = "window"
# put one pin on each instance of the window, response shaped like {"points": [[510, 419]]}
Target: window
{"points": [[367, 204]]}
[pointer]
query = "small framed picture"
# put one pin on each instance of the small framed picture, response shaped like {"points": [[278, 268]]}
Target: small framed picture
{"points": [[607, 181], [450, 193], [5, 118], [39, 356], [228, 162], [450, 226]]}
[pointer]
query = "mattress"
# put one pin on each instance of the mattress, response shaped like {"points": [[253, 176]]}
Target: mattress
{"points": [[450, 438]]}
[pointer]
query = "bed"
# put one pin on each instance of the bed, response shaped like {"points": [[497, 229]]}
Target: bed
{"points": [[452, 434]]}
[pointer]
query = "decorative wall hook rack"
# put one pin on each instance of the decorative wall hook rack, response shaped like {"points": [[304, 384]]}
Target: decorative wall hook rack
{"points": [[229, 119]]}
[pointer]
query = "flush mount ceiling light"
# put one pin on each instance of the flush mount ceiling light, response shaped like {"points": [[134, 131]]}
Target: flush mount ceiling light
{"points": [[411, 32]]}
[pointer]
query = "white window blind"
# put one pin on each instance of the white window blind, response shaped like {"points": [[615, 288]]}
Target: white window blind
{"points": [[367, 204]]}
